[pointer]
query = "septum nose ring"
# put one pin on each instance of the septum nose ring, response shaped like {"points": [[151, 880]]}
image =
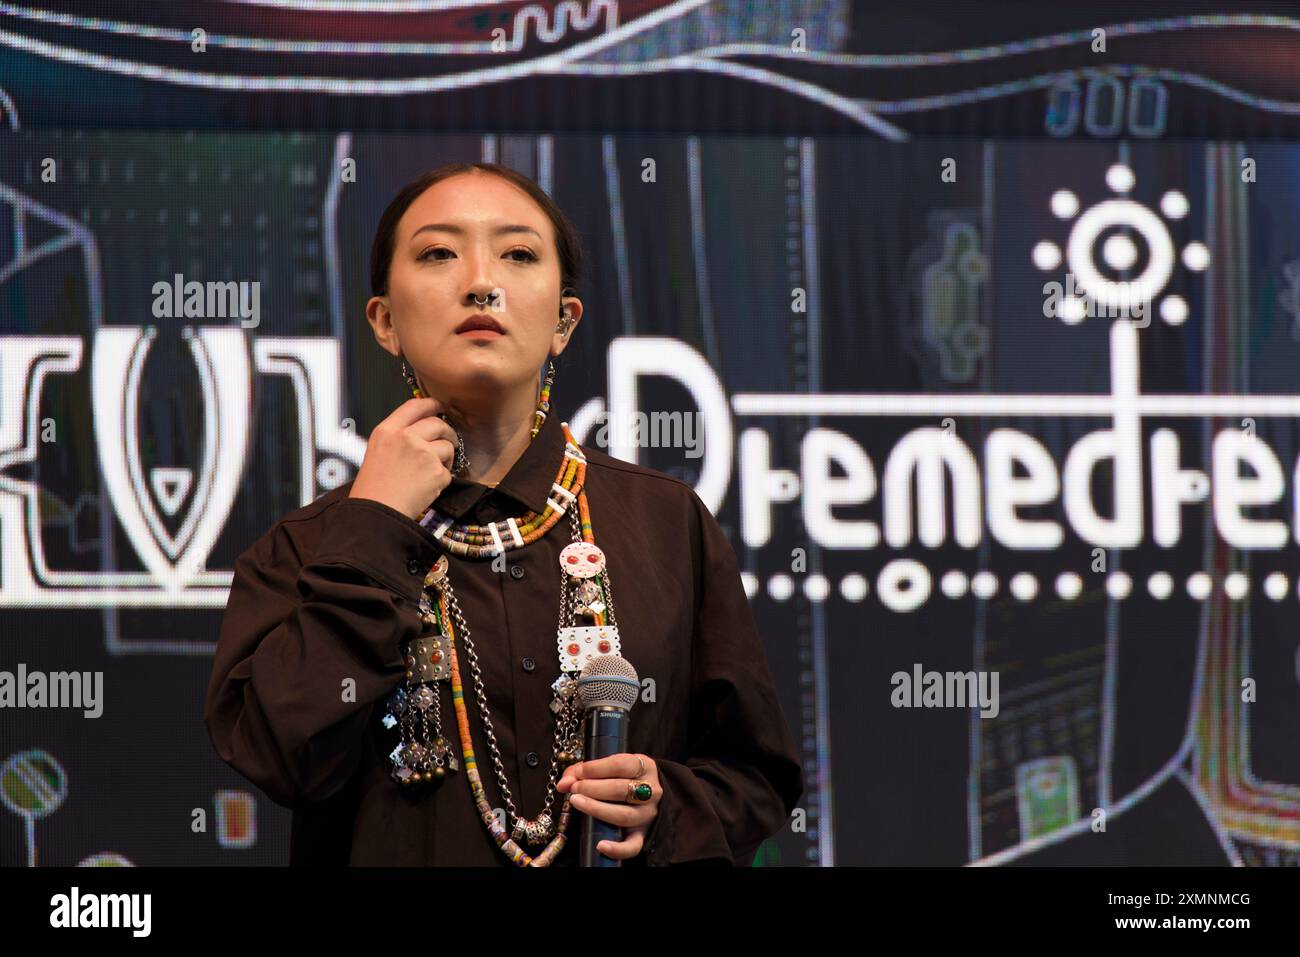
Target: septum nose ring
{"points": [[484, 302]]}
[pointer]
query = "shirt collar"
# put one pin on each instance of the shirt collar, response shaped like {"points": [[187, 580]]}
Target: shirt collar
{"points": [[528, 482]]}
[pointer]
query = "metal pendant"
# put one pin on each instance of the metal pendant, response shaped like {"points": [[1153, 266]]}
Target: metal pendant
{"points": [[416, 763], [535, 832], [582, 560], [397, 702], [438, 572], [561, 692], [441, 748], [429, 659], [578, 645]]}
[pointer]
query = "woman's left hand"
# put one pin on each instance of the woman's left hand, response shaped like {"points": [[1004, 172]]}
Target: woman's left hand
{"points": [[599, 788]]}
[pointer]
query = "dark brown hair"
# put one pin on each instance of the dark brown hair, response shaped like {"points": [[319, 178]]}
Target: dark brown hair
{"points": [[567, 239]]}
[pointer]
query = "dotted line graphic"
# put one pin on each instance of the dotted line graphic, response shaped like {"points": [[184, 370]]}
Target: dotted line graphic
{"points": [[905, 584]]}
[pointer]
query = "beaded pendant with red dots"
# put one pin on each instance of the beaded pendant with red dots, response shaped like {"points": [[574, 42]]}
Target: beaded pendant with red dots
{"points": [[584, 565]]}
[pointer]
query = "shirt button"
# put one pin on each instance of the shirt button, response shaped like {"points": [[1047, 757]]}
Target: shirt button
{"points": [[529, 663], [413, 566], [516, 572], [533, 759]]}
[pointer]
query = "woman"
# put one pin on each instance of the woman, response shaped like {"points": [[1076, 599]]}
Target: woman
{"points": [[377, 648]]}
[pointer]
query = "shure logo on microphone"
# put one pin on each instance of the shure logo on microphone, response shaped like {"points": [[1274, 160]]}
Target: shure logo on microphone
{"points": [[102, 910]]}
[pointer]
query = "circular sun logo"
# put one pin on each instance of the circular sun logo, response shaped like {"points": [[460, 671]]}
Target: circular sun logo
{"points": [[1101, 250]]}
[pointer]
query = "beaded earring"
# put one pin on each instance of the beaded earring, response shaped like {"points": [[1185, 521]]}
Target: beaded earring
{"points": [[544, 399], [544, 396], [461, 463], [410, 380]]}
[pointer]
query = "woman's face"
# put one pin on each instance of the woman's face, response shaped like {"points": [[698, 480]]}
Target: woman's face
{"points": [[466, 236]]}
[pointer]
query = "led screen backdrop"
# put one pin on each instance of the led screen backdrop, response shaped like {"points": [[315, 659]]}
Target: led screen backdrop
{"points": [[1189, 68], [1023, 405]]}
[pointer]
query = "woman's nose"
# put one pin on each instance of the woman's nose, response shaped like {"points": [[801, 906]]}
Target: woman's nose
{"points": [[482, 281]]}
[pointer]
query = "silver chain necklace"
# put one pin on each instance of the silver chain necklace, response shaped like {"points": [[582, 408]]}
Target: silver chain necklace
{"points": [[435, 758]]}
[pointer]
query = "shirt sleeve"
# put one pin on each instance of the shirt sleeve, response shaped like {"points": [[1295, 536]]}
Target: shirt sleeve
{"points": [[741, 775], [306, 649]]}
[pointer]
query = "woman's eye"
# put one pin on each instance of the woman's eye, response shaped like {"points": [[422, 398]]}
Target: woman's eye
{"points": [[432, 254]]}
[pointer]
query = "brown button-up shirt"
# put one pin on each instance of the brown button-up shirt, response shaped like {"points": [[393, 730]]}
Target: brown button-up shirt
{"points": [[331, 592]]}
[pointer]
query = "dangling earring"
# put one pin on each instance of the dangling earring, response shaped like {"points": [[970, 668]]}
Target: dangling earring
{"points": [[544, 396], [410, 380], [544, 399], [459, 465]]}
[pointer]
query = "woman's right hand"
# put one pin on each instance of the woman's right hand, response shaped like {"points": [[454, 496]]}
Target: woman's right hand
{"points": [[408, 458]]}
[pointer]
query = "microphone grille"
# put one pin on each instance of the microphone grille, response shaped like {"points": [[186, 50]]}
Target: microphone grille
{"points": [[608, 681]]}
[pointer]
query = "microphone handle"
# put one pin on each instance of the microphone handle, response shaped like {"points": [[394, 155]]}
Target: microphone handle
{"points": [[606, 734]]}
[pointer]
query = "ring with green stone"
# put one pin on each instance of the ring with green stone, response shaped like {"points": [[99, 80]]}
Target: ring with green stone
{"points": [[638, 792]]}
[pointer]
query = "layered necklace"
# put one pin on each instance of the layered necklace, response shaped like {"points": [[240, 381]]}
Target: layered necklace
{"points": [[587, 629]]}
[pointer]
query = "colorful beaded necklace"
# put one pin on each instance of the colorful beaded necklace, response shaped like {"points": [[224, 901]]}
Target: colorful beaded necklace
{"points": [[585, 593]]}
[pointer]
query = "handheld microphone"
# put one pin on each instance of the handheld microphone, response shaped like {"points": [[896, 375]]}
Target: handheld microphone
{"points": [[607, 688]]}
